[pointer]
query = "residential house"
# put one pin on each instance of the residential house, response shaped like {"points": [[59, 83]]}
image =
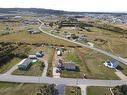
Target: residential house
{"points": [[69, 36], [69, 66], [82, 39], [24, 64], [113, 64]]}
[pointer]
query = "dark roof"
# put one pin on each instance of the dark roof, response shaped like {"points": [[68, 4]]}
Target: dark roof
{"points": [[69, 65], [26, 62]]}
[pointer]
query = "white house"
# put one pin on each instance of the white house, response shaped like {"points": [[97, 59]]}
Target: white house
{"points": [[111, 64]]}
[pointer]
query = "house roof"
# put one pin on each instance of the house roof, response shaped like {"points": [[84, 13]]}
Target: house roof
{"points": [[25, 62], [113, 63], [69, 65]]}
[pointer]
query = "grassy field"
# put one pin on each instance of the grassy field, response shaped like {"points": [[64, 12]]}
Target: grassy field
{"points": [[116, 43], [98, 91], [94, 67], [34, 70], [35, 38], [19, 89], [89, 63], [9, 64], [70, 90]]}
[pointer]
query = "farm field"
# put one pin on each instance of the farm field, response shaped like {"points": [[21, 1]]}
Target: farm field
{"points": [[36, 38]]}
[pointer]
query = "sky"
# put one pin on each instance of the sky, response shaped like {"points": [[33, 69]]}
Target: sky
{"points": [[69, 5]]}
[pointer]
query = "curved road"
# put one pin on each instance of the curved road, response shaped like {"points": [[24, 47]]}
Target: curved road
{"points": [[87, 46]]}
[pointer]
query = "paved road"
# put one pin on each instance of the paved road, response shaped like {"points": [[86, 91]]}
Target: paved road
{"points": [[87, 46], [66, 81]]}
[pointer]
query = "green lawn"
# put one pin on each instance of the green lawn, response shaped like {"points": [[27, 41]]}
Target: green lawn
{"points": [[9, 64], [34, 70], [70, 90], [98, 91]]}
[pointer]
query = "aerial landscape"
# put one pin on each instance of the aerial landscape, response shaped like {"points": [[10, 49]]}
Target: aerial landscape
{"points": [[51, 51]]}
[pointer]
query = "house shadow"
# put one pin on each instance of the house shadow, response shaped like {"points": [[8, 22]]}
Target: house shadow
{"points": [[74, 70], [77, 69], [119, 68]]}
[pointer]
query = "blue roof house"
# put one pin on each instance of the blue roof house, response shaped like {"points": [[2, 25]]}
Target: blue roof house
{"points": [[39, 54], [24, 64], [113, 64]]}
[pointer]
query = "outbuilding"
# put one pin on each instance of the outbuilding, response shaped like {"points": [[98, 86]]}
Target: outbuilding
{"points": [[39, 54], [32, 57]]}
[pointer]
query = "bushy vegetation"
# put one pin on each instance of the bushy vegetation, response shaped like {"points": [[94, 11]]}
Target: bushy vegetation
{"points": [[120, 90], [46, 90], [22, 51], [50, 59], [6, 48]]}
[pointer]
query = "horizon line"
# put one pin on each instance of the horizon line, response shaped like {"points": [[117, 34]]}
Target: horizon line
{"points": [[64, 10]]}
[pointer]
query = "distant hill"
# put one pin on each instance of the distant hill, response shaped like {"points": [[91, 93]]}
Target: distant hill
{"points": [[50, 11]]}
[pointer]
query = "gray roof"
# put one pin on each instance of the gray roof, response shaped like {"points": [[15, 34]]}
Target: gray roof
{"points": [[26, 62], [69, 66]]}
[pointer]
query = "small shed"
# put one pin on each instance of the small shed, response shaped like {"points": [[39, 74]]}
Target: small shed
{"points": [[59, 53], [32, 57], [39, 54]]}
